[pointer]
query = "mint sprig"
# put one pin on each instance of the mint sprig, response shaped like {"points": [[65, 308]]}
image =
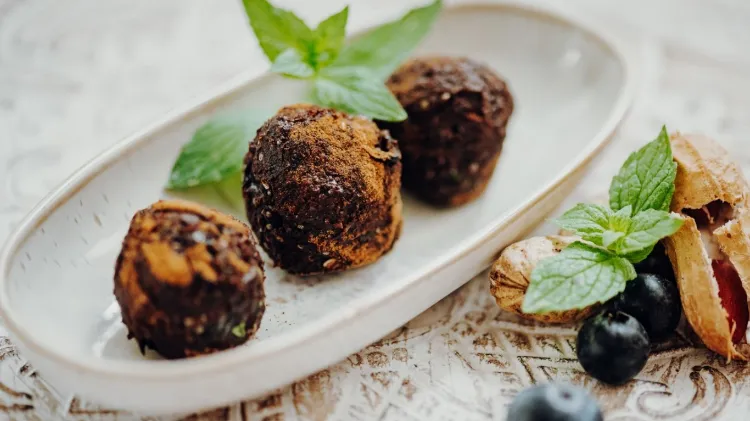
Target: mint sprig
{"points": [[355, 90], [329, 38], [383, 49], [613, 238], [576, 278], [216, 150], [347, 77], [646, 180], [278, 30]]}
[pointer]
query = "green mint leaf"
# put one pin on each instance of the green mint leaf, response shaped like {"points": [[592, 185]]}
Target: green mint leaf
{"points": [[639, 256], [240, 330], [216, 150], [620, 220], [357, 91], [609, 237], [329, 38], [587, 221], [278, 30], [291, 63], [581, 275], [646, 180], [646, 229], [383, 49]]}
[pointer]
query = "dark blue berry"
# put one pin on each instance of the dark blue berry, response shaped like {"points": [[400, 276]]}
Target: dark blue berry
{"points": [[554, 402], [654, 301], [657, 263], [612, 347]]}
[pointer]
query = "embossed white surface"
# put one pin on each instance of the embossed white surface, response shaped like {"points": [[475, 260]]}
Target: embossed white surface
{"points": [[76, 76]]}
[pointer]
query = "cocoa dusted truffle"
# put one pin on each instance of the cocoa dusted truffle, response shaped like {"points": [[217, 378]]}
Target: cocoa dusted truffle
{"points": [[189, 280], [322, 190], [458, 111]]}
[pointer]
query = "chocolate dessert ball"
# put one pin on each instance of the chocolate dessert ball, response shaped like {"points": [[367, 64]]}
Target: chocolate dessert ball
{"points": [[189, 280], [458, 110], [322, 190]]}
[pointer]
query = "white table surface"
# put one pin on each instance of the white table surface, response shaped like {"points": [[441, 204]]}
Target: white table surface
{"points": [[77, 76]]}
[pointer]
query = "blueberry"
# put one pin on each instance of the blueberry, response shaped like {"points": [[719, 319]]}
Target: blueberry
{"points": [[612, 347], [654, 301], [657, 263], [554, 402]]}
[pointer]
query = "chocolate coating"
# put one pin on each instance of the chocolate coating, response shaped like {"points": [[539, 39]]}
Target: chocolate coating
{"points": [[321, 190], [458, 111], [187, 276]]}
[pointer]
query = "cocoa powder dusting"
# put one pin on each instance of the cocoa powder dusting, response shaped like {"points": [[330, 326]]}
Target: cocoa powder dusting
{"points": [[322, 190]]}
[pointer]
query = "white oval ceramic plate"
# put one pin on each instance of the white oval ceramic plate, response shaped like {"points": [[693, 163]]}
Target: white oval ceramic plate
{"points": [[571, 88]]}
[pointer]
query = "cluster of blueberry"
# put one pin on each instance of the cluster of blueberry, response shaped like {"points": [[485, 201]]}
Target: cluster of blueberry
{"points": [[612, 346]]}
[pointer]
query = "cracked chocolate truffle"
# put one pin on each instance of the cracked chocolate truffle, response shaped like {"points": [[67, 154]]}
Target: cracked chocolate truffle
{"points": [[321, 190], [458, 111], [189, 280]]}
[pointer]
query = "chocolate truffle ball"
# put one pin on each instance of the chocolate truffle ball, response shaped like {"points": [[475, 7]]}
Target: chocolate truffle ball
{"points": [[189, 280], [458, 111], [322, 190]]}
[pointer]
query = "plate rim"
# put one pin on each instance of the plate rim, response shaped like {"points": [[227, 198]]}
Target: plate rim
{"points": [[192, 367]]}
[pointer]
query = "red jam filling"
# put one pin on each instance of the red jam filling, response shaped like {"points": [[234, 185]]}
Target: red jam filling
{"points": [[733, 297]]}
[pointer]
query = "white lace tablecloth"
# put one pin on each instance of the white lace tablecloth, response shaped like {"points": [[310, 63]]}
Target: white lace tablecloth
{"points": [[76, 76]]}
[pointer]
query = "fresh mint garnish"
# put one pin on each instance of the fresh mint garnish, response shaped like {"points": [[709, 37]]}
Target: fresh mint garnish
{"points": [[383, 49], [644, 230], [329, 38], [216, 150], [588, 221], [291, 63], [347, 77], [240, 330], [576, 278], [646, 180], [356, 91], [278, 30], [613, 239]]}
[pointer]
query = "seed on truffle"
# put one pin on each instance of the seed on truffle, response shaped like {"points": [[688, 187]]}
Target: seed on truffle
{"points": [[189, 280], [458, 111], [335, 181]]}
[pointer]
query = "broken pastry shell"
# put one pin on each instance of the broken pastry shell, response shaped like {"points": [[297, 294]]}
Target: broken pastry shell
{"points": [[734, 241], [510, 276], [705, 173], [711, 194]]}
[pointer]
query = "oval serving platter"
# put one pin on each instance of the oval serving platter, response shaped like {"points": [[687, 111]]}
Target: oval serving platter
{"points": [[572, 87]]}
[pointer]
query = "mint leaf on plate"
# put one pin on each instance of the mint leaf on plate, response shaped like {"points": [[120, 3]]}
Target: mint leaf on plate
{"points": [[329, 38], [581, 275], [357, 92], [645, 230], [216, 150], [278, 30], [587, 221], [291, 63], [646, 180], [384, 48]]}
